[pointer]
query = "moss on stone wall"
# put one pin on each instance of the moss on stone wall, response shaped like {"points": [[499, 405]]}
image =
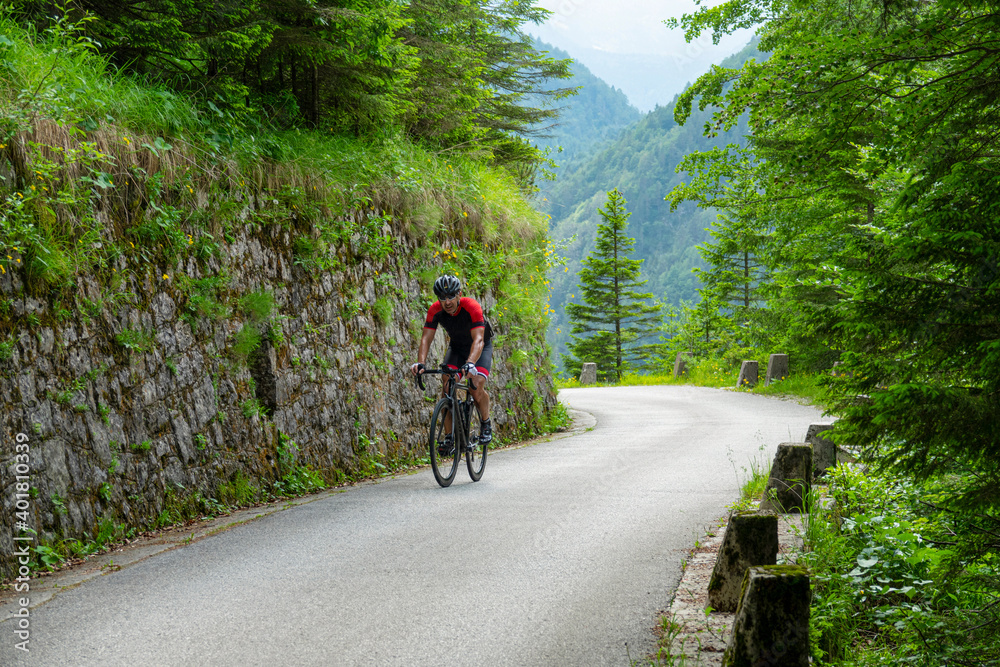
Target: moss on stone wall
{"points": [[160, 381]]}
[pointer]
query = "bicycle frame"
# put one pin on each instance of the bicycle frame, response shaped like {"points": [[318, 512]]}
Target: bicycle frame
{"points": [[459, 413], [454, 377]]}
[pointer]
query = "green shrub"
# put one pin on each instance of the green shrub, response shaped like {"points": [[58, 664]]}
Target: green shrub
{"points": [[245, 342], [252, 407], [885, 585], [258, 305], [202, 298], [133, 340], [382, 309], [296, 479], [240, 492]]}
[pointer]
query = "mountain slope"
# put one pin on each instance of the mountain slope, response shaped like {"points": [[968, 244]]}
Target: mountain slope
{"points": [[640, 163], [593, 117]]}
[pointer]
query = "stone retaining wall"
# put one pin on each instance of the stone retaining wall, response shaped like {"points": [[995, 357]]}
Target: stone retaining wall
{"points": [[120, 432]]}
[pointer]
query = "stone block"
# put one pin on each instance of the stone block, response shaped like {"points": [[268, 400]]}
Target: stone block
{"points": [[838, 370], [185, 386], [748, 375], [46, 340], [772, 621], [588, 374], [790, 480], [751, 539], [824, 454], [777, 368], [680, 365]]}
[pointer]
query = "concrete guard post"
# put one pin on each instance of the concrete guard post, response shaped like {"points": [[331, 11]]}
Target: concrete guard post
{"points": [[790, 480], [588, 374], [838, 371], [680, 365], [777, 368], [772, 621], [751, 539], [748, 375], [824, 450]]}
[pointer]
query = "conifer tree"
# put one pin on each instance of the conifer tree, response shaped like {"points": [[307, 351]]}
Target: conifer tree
{"points": [[615, 320]]}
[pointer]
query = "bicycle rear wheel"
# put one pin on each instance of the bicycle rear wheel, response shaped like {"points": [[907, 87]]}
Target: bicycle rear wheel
{"points": [[475, 452], [444, 456]]}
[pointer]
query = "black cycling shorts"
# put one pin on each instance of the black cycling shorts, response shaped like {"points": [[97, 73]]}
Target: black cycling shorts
{"points": [[457, 358]]}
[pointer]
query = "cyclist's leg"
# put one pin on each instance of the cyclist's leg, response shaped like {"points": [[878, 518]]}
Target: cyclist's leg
{"points": [[480, 395]]}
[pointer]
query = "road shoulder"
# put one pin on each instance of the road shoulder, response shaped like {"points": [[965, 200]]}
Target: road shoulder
{"points": [[686, 632]]}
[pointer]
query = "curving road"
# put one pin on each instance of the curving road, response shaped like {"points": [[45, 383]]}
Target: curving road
{"points": [[562, 554]]}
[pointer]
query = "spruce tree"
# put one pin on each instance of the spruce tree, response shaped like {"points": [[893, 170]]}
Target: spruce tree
{"points": [[615, 321]]}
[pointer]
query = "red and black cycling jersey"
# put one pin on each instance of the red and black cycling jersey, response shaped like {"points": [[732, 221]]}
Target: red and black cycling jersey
{"points": [[460, 325]]}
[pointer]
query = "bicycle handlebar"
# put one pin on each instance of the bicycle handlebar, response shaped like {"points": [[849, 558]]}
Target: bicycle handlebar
{"points": [[444, 370]]}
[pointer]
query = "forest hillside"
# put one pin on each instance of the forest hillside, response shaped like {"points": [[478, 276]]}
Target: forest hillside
{"points": [[641, 163]]}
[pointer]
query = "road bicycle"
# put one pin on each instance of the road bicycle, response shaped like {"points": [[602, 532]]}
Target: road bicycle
{"points": [[460, 420]]}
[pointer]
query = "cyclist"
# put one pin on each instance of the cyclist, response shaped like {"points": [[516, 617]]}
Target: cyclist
{"points": [[470, 346]]}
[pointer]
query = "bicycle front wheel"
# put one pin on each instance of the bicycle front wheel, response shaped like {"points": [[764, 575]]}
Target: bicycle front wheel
{"points": [[475, 452], [443, 444]]}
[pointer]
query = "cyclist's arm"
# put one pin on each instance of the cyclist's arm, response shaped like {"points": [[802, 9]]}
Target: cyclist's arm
{"points": [[478, 340], [425, 344]]}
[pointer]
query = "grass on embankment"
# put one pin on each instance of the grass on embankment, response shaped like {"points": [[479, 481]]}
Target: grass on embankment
{"points": [[715, 373], [99, 170], [74, 131]]}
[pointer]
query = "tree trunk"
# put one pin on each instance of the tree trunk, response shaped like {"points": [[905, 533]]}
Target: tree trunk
{"points": [[618, 321], [746, 279], [314, 112]]}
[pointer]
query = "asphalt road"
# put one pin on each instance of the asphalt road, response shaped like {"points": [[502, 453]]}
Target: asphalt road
{"points": [[564, 552]]}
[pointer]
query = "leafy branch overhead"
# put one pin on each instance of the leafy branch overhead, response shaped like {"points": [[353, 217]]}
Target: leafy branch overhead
{"points": [[868, 197], [457, 75]]}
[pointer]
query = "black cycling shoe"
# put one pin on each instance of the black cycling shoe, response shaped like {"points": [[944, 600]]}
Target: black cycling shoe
{"points": [[486, 433], [447, 447]]}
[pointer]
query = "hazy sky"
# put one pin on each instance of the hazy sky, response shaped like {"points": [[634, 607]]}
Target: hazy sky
{"points": [[606, 34]]}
